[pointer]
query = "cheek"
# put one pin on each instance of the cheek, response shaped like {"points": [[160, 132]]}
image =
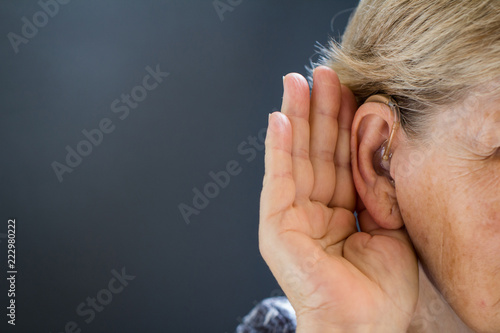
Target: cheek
{"points": [[420, 199], [493, 215], [488, 198], [455, 228], [427, 218], [422, 208]]}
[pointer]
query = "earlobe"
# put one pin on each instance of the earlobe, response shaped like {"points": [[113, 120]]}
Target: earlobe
{"points": [[372, 143]]}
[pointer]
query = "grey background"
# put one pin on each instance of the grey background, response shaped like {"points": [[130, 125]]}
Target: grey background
{"points": [[119, 207]]}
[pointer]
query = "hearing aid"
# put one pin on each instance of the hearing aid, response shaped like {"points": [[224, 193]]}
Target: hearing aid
{"points": [[383, 155]]}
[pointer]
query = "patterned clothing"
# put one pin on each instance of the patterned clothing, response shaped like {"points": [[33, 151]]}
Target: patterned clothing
{"points": [[272, 315]]}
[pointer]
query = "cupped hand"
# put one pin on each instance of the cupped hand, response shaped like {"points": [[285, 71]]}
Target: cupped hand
{"points": [[336, 278]]}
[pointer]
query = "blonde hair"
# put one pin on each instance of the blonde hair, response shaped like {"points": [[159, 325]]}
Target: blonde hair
{"points": [[426, 54]]}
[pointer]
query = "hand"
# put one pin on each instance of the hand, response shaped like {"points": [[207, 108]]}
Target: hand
{"points": [[336, 278]]}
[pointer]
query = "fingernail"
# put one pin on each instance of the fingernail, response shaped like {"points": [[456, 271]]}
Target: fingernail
{"points": [[279, 121]]}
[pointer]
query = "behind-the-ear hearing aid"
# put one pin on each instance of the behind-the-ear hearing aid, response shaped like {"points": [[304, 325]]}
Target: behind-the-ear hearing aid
{"points": [[382, 157]]}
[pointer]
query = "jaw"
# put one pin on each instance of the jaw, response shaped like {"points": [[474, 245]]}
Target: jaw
{"points": [[433, 313]]}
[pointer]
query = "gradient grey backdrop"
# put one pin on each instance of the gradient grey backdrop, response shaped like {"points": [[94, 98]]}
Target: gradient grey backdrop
{"points": [[119, 207]]}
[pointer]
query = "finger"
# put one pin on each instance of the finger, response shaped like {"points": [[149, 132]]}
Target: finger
{"points": [[341, 225], [296, 107], [345, 191], [325, 106], [385, 257], [400, 234], [278, 191], [366, 222]]}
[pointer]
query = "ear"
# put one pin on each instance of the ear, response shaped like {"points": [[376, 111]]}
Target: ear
{"points": [[370, 128]]}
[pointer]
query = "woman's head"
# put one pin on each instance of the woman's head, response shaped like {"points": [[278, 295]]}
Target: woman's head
{"points": [[440, 61], [426, 54]]}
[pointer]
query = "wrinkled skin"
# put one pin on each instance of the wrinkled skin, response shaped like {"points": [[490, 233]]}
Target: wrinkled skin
{"points": [[447, 194]]}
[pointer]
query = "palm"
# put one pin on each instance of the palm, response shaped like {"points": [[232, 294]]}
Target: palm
{"points": [[307, 232]]}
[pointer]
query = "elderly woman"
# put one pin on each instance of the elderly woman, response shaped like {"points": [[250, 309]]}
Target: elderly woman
{"points": [[402, 127]]}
